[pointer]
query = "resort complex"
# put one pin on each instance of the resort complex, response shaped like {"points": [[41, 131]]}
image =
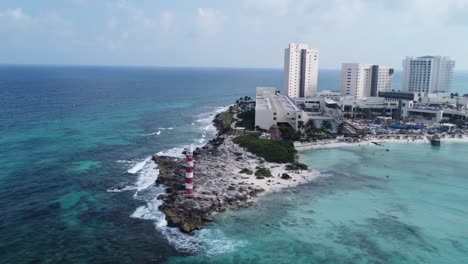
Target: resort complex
{"points": [[366, 103]]}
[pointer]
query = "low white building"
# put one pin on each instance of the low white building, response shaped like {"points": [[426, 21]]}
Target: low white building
{"points": [[423, 114], [350, 106], [273, 108]]}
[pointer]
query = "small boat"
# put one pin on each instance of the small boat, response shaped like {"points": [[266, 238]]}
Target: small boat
{"points": [[435, 140]]}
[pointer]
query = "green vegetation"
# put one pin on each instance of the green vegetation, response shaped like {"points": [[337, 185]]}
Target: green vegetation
{"points": [[326, 125], [246, 171], [227, 117], [270, 150], [263, 172], [340, 129], [296, 166], [248, 119]]}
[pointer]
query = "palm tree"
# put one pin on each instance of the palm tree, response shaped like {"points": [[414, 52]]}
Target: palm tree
{"points": [[300, 125], [340, 129], [326, 126], [310, 128]]}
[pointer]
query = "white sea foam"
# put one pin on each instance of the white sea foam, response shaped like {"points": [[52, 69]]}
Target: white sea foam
{"points": [[173, 152], [147, 176], [147, 191], [217, 243], [137, 167], [152, 134], [150, 211]]}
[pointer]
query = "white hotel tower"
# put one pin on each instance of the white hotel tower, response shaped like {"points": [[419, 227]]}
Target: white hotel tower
{"points": [[428, 74], [365, 80], [300, 70]]}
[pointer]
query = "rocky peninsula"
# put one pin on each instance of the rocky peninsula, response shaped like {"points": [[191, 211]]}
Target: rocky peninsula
{"points": [[224, 178]]}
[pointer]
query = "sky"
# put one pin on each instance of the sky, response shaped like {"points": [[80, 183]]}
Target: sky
{"points": [[229, 33]]}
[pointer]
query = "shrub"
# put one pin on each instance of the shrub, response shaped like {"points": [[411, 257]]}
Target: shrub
{"points": [[296, 166], [246, 171], [263, 172], [270, 150], [260, 177]]}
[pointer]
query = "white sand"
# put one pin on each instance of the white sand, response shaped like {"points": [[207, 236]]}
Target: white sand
{"points": [[269, 184], [336, 144], [275, 183]]}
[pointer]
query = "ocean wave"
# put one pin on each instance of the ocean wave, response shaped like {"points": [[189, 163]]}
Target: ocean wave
{"points": [[152, 134], [173, 152], [147, 176], [215, 242], [137, 167], [148, 192]]}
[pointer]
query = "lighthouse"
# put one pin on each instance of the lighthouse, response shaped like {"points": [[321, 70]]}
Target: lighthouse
{"points": [[189, 171]]}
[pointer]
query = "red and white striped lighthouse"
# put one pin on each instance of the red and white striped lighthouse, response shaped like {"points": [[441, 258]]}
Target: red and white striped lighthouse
{"points": [[189, 171]]}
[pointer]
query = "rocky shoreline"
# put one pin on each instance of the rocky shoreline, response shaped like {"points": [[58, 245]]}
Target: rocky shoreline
{"points": [[218, 182], [216, 189]]}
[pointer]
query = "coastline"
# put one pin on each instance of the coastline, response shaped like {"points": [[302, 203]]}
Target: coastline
{"points": [[328, 144], [220, 184]]}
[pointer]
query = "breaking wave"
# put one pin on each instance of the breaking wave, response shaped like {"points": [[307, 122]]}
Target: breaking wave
{"points": [[208, 241]]}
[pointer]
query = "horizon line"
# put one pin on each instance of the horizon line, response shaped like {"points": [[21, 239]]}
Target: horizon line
{"points": [[160, 66]]}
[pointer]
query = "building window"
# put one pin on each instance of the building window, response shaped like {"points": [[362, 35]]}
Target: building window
{"points": [[274, 118]]}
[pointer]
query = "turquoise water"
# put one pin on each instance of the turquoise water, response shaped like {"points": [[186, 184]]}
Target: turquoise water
{"points": [[67, 134], [353, 213]]}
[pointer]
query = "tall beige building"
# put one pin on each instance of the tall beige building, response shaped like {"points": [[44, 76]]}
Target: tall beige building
{"points": [[365, 80], [300, 70]]}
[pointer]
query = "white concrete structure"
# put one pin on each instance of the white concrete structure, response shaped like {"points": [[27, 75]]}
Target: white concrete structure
{"points": [[300, 70], [365, 80], [273, 108], [428, 74], [350, 105]]}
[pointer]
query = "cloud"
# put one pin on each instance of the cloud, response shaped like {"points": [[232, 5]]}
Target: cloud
{"points": [[167, 20], [15, 15], [275, 7], [209, 21]]}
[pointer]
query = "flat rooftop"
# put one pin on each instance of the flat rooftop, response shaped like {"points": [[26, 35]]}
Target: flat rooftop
{"points": [[267, 100]]}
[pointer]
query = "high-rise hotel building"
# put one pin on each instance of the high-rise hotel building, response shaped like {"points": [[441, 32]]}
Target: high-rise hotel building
{"points": [[428, 74], [300, 70], [365, 80]]}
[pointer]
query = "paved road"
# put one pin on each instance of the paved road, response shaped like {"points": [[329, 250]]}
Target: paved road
{"points": [[233, 124]]}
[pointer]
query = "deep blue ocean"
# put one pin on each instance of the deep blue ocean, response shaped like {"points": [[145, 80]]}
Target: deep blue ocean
{"points": [[67, 134]]}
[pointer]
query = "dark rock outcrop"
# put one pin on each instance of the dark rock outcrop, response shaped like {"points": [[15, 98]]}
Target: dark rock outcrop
{"points": [[214, 191]]}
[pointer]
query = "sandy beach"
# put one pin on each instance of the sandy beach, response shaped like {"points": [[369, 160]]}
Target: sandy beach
{"points": [[326, 144], [274, 183]]}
